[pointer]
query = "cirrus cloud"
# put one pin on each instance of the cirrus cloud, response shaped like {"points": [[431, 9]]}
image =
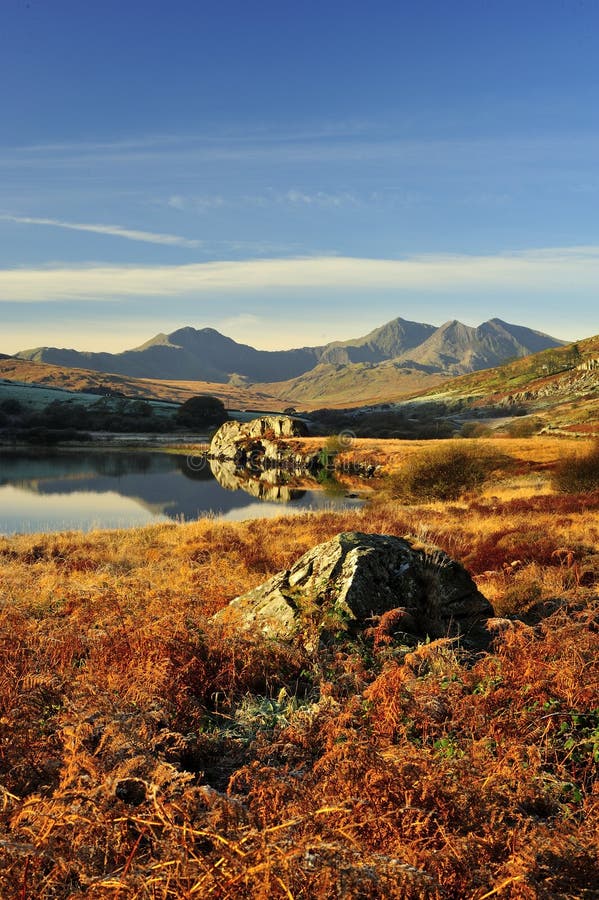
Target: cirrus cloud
{"points": [[564, 269], [148, 237]]}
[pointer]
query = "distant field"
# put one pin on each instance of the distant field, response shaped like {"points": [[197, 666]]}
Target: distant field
{"points": [[82, 380], [38, 397], [332, 386]]}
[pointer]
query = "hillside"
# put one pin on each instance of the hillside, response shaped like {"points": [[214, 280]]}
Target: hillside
{"points": [[559, 385], [353, 384], [189, 354], [452, 349], [27, 372]]}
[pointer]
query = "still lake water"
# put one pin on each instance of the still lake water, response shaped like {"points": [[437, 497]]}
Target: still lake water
{"points": [[61, 490]]}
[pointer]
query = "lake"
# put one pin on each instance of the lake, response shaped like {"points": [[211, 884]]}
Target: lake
{"points": [[59, 490]]}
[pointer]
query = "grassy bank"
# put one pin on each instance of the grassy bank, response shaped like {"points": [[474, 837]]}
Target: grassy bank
{"points": [[144, 754]]}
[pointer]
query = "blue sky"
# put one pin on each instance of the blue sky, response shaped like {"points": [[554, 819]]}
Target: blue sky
{"points": [[292, 173]]}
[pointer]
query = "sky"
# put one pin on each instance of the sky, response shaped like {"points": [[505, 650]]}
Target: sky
{"points": [[295, 172]]}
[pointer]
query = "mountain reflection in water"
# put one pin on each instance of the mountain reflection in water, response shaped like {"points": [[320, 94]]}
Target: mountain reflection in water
{"points": [[58, 490]]}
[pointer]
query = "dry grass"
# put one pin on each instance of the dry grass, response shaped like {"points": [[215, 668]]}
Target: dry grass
{"points": [[356, 384], [537, 454], [71, 379], [144, 754], [580, 472]]}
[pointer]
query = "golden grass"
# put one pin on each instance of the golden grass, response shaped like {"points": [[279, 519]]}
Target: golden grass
{"points": [[145, 754], [538, 453]]}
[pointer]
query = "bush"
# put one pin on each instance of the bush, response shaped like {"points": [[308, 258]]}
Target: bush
{"points": [[120, 416], [524, 427], [11, 406], [201, 411], [334, 444], [578, 474], [474, 430], [442, 473], [48, 437], [425, 423]]}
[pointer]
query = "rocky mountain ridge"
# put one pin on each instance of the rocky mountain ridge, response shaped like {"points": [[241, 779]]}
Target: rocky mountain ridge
{"points": [[206, 355]]}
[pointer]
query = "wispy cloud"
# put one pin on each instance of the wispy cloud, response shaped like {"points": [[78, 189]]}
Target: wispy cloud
{"points": [[293, 197], [196, 203], [321, 199], [272, 146], [130, 234], [323, 130], [565, 270], [260, 248], [219, 144]]}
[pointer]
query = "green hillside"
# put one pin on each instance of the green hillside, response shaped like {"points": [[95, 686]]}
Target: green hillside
{"points": [[560, 385]]}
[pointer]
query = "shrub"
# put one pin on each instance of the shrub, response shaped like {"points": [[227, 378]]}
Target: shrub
{"points": [[202, 410], [578, 474], [48, 437], [524, 427], [11, 406], [334, 444], [422, 423], [474, 430], [442, 473]]}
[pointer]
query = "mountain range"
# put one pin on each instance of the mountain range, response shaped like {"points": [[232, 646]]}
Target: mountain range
{"points": [[558, 385], [205, 354]]}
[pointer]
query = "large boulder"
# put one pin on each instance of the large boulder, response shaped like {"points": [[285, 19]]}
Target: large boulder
{"points": [[253, 443], [350, 582]]}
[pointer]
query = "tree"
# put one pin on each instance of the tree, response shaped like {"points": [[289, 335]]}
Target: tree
{"points": [[11, 406], [197, 412], [574, 356]]}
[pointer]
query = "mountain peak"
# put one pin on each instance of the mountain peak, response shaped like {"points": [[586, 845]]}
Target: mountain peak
{"points": [[385, 342], [205, 354], [190, 330], [451, 324]]}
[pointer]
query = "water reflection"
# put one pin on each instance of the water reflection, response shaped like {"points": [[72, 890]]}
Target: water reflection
{"points": [[269, 485], [56, 490]]}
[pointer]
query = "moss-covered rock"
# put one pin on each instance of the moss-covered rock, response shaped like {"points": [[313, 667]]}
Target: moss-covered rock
{"points": [[349, 582]]}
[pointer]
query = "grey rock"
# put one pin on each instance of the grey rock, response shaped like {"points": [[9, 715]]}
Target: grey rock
{"points": [[350, 581], [256, 443], [275, 426]]}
